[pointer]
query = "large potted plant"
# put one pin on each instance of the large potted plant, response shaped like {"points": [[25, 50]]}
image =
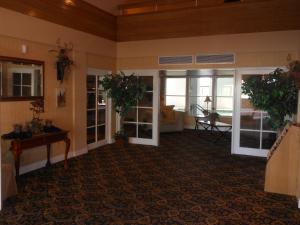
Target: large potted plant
{"points": [[275, 93], [124, 91]]}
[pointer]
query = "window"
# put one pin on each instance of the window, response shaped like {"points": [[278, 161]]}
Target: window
{"points": [[224, 96], [199, 89], [186, 88], [22, 84], [176, 92], [218, 88]]}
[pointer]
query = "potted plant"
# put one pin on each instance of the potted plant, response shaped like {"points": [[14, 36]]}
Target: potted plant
{"points": [[275, 93], [124, 91]]}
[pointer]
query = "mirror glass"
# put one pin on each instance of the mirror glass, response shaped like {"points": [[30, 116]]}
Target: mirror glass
{"points": [[20, 79]]}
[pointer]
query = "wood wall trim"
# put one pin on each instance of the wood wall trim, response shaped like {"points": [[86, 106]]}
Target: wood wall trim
{"points": [[78, 15], [246, 17]]}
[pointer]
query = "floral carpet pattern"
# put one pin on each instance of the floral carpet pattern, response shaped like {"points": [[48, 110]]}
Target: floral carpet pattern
{"points": [[188, 180]]}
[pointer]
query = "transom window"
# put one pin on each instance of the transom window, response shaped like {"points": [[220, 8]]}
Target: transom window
{"points": [[215, 86]]}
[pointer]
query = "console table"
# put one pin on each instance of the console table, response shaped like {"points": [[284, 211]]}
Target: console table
{"points": [[18, 145]]}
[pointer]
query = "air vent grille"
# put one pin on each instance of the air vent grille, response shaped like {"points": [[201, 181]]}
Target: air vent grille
{"points": [[175, 60], [215, 59]]}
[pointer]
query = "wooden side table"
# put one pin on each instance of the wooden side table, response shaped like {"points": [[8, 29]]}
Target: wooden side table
{"points": [[18, 146]]}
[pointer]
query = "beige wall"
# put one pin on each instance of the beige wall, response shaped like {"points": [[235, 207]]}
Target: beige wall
{"points": [[269, 49], [257, 49], [40, 36]]}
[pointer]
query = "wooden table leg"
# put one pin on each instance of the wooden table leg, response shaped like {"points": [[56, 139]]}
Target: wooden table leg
{"points": [[67, 141], [48, 155]]}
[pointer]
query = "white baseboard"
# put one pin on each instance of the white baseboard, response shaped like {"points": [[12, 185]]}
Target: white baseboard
{"points": [[59, 158]]}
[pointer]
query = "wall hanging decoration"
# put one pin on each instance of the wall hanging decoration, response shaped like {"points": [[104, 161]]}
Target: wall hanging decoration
{"points": [[60, 97], [63, 62]]}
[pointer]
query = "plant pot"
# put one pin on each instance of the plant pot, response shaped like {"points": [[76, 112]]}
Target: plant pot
{"points": [[121, 143]]}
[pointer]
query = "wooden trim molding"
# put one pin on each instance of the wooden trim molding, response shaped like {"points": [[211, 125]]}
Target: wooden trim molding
{"points": [[76, 14], [245, 17]]}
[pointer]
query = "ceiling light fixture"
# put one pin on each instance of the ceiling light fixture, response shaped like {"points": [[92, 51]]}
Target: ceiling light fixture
{"points": [[69, 2]]}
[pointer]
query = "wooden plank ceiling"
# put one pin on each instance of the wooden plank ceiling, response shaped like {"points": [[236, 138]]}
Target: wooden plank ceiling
{"points": [[76, 14], [247, 16]]}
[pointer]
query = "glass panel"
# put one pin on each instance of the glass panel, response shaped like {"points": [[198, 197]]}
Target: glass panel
{"points": [[250, 120], [101, 132], [225, 86], [245, 103], [145, 115], [149, 83], [26, 91], [91, 135], [201, 86], [177, 101], [100, 87], [145, 131], [91, 83], [175, 86], [130, 129], [16, 90], [200, 101], [26, 79], [268, 139], [266, 122], [131, 116], [16, 79], [224, 104], [250, 139], [91, 99], [101, 116], [101, 101], [91, 118], [147, 100]]}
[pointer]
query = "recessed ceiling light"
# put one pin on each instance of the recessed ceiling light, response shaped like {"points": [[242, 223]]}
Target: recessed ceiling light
{"points": [[69, 2]]}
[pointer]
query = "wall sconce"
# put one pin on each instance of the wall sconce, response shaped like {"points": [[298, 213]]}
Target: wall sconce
{"points": [[24, 49]]}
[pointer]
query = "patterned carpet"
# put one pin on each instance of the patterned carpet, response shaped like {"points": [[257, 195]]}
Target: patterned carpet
{"points": [[187, 180]]}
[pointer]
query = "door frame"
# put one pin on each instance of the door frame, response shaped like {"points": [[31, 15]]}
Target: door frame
{"points": [[108, 112], [155, 107], [236, 119]]}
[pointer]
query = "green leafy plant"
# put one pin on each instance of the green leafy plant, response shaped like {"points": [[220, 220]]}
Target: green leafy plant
{"points": [[275, 93], [125, 92]]}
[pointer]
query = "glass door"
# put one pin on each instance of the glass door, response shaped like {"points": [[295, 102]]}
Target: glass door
{"points": [[97, 111], [141, 122], [253, 134]]}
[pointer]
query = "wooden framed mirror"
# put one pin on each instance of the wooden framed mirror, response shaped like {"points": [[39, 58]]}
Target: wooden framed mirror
{"points": [[21, 79]]}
